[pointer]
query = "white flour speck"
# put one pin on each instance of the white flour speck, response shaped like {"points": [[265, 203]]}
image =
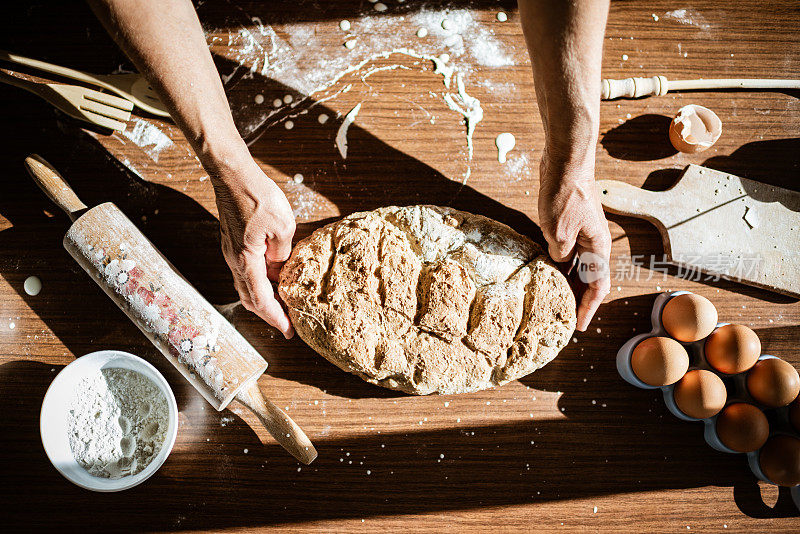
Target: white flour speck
{"points": [[32, 285]]}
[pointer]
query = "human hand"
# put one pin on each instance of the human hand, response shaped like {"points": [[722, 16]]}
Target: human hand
{"points": [[257, 226], [574, 225]]}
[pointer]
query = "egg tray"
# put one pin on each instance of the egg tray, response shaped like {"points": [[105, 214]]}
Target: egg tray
{"points": [[734, 384]]}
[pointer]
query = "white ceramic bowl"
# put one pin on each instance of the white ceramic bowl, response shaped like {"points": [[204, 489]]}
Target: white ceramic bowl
{"points": [[53, 422]]}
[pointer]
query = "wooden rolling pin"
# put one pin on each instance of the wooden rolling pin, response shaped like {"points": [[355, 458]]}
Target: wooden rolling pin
{"points": [[188, 331], [659, 85]]}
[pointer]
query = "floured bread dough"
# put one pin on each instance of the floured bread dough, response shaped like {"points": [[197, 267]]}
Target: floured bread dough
{"points": [[426, 299]]}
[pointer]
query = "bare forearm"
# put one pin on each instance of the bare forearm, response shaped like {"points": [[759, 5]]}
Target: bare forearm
{"points": [[165, 41], [565, 40]]}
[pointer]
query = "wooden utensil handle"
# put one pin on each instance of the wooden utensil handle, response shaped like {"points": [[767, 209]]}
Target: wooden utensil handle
{"points": [[50, 68], [54, 186], [659, 85], [624, 199], [285, 431], [633, 87]]}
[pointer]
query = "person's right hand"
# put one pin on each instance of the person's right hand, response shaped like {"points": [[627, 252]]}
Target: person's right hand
{"points": [[257, 226], [573, 224]]}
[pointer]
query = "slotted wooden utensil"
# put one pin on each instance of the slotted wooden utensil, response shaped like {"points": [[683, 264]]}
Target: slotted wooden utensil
{"points": [[107, 111], [133, 87]]}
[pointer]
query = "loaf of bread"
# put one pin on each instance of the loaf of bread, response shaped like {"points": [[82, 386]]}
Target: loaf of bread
{"points": [[426, 299]]}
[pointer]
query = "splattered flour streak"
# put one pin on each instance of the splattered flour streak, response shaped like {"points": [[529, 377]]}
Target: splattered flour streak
{"points": [[291, 57]]}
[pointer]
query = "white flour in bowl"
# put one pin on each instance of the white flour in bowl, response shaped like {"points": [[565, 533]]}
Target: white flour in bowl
{"points": [[117, 422]]}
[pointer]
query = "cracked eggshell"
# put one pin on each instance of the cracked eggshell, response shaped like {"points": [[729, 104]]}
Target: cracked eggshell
{"points": [[694, 129]]}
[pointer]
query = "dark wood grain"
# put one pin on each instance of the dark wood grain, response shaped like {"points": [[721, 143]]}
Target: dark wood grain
{"points": [[540, 453]]}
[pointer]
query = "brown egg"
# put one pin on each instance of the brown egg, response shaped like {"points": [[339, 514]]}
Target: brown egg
{"points": [[659, 361], [780, 460], [694, 129], [689, 317], [700, 394], [773, 382], [742, 427], [732, 348]]}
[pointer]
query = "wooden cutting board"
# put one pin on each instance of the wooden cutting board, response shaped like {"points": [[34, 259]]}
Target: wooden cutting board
{"points": [[720, 224]]}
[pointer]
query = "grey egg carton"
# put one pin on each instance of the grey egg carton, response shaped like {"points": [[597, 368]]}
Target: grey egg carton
{"points": [[734, 384]]}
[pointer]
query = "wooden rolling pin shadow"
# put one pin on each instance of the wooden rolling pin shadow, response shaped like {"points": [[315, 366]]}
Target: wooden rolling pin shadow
{"points": [[207, 350], [720, 224]]}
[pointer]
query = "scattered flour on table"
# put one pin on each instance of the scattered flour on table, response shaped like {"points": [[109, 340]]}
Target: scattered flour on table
{"points": [[305, 201], [149, 138], [117, 422], [292, 57], [687, 17], [518, 167], [450, 42]]}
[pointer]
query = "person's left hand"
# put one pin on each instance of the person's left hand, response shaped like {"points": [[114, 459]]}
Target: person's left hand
{"points": [[573, 224]]}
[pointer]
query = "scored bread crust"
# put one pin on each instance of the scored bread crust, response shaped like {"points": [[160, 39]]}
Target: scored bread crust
{"points": [[427, 299]]}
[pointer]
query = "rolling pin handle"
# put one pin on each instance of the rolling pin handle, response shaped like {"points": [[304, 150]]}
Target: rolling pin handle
{"points": [[285, 431], [634, 87], [54, 186]]}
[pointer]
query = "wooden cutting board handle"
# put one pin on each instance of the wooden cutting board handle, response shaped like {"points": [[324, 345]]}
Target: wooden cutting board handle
{"points": [[54, 186], [624, 199]]}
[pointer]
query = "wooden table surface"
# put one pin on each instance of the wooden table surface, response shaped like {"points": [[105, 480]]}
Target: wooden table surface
{"points": [[569, 447]]}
